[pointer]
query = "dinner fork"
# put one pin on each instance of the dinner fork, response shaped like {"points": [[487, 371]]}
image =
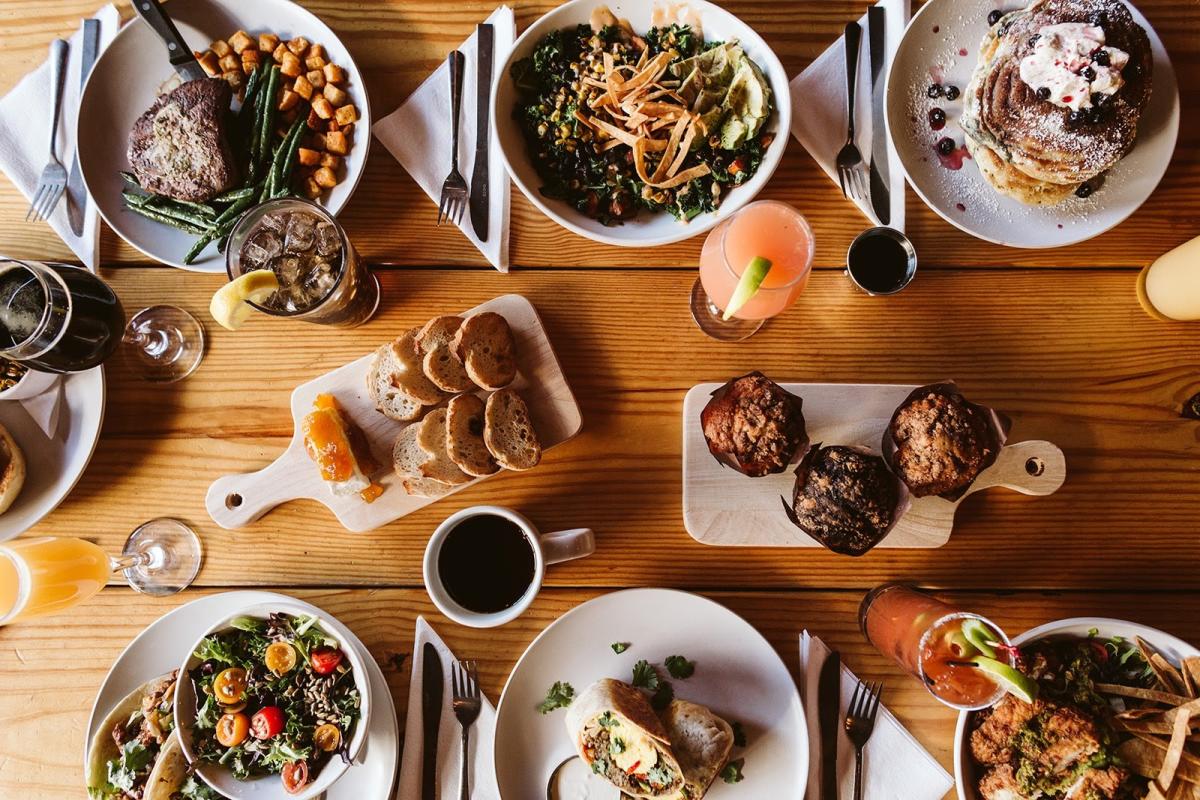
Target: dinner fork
{"points": [[53, 180], [860, 723], [454, 189], [464, 676], [852, 174]]}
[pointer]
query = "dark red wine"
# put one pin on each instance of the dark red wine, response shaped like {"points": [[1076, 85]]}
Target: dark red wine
{"points": [[486, 564], [879, 264]]}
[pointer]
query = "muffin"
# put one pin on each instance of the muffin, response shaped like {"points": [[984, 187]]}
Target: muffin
{"points": [[845, 498], [754, 425], [940, 442]]}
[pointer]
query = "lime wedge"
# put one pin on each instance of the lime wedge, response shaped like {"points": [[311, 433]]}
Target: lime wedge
{"points": [[752, 278], [981, 636], [1013, 681], [961, 646]]}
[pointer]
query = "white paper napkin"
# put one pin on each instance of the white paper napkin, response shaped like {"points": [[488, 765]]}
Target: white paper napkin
{"points": [[418, 135], [44, 408], [25, 135], [895, 766], [821, 91], [449, 760]]}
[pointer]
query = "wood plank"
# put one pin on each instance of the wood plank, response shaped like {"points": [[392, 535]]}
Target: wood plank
{"points": [[52, 669], [398, 43], [1069, 355]]}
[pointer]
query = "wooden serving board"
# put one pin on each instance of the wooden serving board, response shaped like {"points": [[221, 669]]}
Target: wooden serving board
{"points": [[237, 500], [724, 507]]}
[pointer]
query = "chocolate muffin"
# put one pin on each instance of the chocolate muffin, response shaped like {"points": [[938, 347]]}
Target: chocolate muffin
{"points": [[753, 425], [942, 442], [845, 498]]}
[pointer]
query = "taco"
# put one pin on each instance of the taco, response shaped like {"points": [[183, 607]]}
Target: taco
{"points": [[136, 754]]}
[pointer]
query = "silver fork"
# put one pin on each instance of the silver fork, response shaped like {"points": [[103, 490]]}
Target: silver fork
{"points": [[852, 173], [53, 180], [464, 676], [454, 189], [860, 723]]}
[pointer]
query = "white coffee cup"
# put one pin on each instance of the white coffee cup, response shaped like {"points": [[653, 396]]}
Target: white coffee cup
{"points": [[548, 548]]}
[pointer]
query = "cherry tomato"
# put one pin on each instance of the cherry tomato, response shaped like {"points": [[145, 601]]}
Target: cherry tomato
{"points": [[280, 658], [232, 729], [267, 722], [295, 776], [327, 737], [325, 659], [230, 686]]}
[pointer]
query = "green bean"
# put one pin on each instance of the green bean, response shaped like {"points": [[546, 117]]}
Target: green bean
{"points": [[166, 208], [198, 247], [198, 208], [234, 211], [291, 145], [268, 121], [136, 199], [165, 219], [130, 178], [233, 195], [253, 86]]}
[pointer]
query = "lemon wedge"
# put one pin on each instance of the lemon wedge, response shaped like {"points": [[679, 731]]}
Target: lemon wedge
{"points": [[231, 307]]}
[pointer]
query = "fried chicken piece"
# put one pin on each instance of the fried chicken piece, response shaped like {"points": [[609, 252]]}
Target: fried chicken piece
{"points": [[992, 741], [1000, 783], [1098, 784], [1068, 736]]}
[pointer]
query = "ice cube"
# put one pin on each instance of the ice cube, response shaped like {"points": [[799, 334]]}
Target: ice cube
{"points": [[329, 242], [274, 222], [301, 233], [287, 269], [260, 248]]}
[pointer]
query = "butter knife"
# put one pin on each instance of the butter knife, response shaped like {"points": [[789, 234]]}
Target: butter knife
{"points": [[76, 193], [829, 704], [432, 685], [881, 196], [485, 46]]}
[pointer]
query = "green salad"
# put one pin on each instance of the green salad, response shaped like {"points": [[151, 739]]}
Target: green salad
{"points": [[273, 696], [617, 122]]}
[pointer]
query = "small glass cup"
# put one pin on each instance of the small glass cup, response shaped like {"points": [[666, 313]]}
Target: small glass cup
{"points": [[344, 295]]}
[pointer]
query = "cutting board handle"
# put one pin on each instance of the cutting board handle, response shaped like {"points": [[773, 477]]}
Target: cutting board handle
{"points": [[1035, 467], [234, 501]]}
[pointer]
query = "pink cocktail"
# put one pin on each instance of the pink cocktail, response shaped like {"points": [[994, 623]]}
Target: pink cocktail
{"points": [[762, 230]]}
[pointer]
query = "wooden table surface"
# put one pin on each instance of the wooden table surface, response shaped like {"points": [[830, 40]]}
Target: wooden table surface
{"points": [[1055, 338]]}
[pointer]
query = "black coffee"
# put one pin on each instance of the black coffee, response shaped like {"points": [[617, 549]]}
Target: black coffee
{"points": [[879, 264], [486, 564]]}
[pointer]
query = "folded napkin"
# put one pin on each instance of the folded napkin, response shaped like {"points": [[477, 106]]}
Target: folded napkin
{"points": [[449, 760], [418, 135], [44, 407], [821, 91], [895, 766], [25, 135]]}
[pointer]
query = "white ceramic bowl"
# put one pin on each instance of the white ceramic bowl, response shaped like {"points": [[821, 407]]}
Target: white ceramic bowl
{"points": [[269, 787], [647, 229], [1172, 648], [125, 82]]}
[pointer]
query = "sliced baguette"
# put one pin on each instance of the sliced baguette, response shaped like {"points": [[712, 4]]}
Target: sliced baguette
{"points": [[389, 398], [426, 487], [409, 375], [407, 455], [464, 436], [439, 361], [432, 439], [508, 431], [12, 469], [485, 345]]}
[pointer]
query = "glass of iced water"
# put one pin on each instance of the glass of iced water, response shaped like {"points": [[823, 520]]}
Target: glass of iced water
{"points": [[321, 277]]}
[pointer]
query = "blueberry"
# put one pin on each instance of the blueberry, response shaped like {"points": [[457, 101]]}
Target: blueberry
{"points": [[952, 93], [995, 16], [1076, 118], [934, 91], [1043, 93], [1084, 190], [937, 118], [945, 145], [1088, 73], [1101, 57]]}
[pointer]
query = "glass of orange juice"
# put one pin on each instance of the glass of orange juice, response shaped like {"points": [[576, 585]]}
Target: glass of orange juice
{"points": [[49, 574], [765, 234]]}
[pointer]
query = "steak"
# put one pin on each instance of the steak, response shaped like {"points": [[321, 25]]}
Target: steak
{"points": [[180, 147]]}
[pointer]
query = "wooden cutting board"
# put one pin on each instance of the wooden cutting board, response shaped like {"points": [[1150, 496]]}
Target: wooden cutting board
{"points": [[724, 507], [237, 500]]}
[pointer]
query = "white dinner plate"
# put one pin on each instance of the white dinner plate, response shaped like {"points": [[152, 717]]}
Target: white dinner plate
{"points": [[1173, 648], [126, 80], [53, 465], [160, 648], [738, 675], [942, 40]]}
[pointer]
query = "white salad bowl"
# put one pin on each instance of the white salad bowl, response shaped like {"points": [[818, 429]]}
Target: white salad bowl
{"points": [[647, 229], [270, 787], [1172, 648]]}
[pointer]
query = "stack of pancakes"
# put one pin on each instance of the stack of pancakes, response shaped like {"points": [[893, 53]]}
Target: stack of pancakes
{"points": [[1030, 148]]}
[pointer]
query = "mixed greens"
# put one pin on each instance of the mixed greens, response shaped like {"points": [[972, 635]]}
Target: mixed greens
{"points": [[273, 696]]}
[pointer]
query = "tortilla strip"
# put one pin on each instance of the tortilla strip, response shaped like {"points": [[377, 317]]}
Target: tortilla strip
{"points": [[672, 148], [625, 137], [1166, 698], [1144, 755], [1153, 726], [1166, 673], [1166, 773], [685, 148], [1191, 673], [687, 176]]}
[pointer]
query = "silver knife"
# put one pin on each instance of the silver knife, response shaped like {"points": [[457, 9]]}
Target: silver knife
{"points": [[177, 49], [829, 704], [881, 197], [485, 41], [76, 193], [432, 684]]}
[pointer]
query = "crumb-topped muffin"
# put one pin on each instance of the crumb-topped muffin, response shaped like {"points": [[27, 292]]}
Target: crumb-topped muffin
{"points": [[844, 498], [942, 442], [754, 425]]}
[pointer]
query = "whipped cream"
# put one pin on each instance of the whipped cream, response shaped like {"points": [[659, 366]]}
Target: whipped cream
{"points": [[1059, 61]]}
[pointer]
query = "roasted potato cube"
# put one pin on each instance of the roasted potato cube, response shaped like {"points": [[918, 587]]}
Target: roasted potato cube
{"points": [[289, 100], [336, 96], [331, 160], [312, 189], [209, 61], [290, 66], [335, 142], [316, 123], [316, 78], [289, 116], [279, 52], [308, 157], [221, 48], [318, 140], [298, 46], [346, 115], [240, 41], [334, 73], [230, 62], [333, 124], [250, 60], [325, 178], [267, 42], [303, 88], [317, 51], [322, 106], [315, 62], [235, 79]]}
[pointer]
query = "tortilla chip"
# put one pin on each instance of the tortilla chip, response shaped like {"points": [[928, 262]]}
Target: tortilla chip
{"points": [[1144, 755], [1166, 673], [1153, 695], [1191, 673], [1166, 773]]}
